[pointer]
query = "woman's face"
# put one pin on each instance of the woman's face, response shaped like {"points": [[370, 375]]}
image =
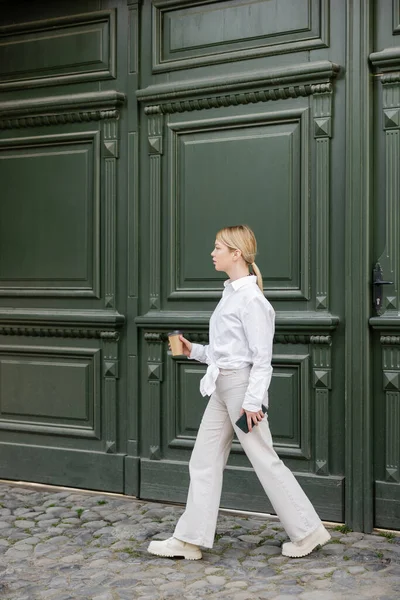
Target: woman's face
{"points": [[223, 257]]}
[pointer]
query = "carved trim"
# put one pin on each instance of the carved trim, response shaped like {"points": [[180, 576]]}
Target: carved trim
{"points": [[258, 86], [60, 110], [155, 138], [110, 155], [154, 379], [387, 59], [203, 337], [391, 386], [390, 339], [322, 383], [58, 332], [390, 258], [313, 323], [153, 337], [322, 135], [110, 374], [60, 119]]}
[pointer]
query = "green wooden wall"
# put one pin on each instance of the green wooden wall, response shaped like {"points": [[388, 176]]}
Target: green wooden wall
{"points": [[130, 132]]}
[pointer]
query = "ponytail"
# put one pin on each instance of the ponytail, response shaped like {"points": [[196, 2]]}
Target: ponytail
{"points": [[257, 273]]}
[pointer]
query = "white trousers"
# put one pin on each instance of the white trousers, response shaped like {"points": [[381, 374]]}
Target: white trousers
{"points": [[209, 457]]}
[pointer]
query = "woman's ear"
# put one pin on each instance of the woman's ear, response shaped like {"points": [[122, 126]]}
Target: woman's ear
{"points": [[236, 254]]}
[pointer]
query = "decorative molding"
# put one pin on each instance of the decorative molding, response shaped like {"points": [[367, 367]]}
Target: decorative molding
{"points": [[58, 332], [257, 86], [154, 379], [322, 378], [322, 101], [203, 338], [390, 340], [313, 323], [60, 110], [391, 386], [386, 60], [110, 374], [155, 139], [87, 324], [110, 155]]}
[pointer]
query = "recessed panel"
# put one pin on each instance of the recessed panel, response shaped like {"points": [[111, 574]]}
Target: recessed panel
{"points": [[253, 173], [208, 32], [49, 217], [50, 389], [284, 405], [190, 405], [75, 48], [288, 412]]}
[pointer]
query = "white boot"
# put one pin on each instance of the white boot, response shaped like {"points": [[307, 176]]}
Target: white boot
{"points": [[319, 537], [173, 548]]}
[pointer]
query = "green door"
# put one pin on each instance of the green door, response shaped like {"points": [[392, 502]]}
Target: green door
{"points": [[385, 322], [246, 129], [120, 158], [63, 208]]}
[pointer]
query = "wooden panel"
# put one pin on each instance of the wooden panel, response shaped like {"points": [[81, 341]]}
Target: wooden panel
{"points": [[169, 481], [63, 50], [189, 413], [50, 390], [387, 505], [56, 466], [290, 409], [289, 412], [208, 32], [49, 221], [255, 167]]}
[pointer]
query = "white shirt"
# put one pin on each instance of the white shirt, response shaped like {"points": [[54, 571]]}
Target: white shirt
{"points": [[241, 334]]}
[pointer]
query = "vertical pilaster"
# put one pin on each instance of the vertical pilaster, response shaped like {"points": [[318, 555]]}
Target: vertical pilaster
{"points": [[110, 374], [154, 379], [322, 377], [155, 138], [110, 155], [390, 258], [391, 386], [322, 100], [358, 261]]}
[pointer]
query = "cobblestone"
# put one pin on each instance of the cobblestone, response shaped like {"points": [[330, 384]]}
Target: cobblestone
{"points": [[66, 545]]}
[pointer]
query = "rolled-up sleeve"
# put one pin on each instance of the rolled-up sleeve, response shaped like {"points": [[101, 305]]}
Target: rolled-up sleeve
{"points": [[259, 323], [200, 353]]}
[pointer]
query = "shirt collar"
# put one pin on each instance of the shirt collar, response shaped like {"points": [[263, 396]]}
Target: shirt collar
{"points": [[238, 283]]}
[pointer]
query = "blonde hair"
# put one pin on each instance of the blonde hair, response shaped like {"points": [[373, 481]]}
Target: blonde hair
{"points": [[241, 237]]}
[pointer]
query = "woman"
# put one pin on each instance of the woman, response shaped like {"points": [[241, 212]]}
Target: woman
{"points": [[237, 379]]}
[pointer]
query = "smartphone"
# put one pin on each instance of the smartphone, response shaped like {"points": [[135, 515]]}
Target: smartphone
{"points": [[242, 421]]}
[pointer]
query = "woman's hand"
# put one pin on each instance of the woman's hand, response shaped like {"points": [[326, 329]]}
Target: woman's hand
{"points": [[187, 346], [253, 418]]}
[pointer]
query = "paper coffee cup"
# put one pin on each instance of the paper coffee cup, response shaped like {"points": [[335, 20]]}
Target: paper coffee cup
{"points": [[175, 343]]}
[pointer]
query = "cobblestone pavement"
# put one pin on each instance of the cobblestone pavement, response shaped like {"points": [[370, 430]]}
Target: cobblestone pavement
{"points": [[66, 544]]}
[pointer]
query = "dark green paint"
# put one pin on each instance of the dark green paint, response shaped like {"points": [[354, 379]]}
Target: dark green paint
{"points": [[120, 158]]}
